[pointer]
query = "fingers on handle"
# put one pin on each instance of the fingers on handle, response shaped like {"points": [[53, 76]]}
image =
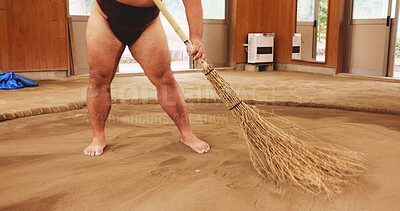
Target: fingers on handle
{"points": [[203, 57], [200, 54]]}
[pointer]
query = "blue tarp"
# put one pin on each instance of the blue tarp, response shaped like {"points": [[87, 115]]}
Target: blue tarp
{"points": [[12, 81]]}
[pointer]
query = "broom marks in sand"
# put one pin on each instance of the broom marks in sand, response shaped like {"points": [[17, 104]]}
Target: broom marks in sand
{"points": [[289, 156], [277, 154]]}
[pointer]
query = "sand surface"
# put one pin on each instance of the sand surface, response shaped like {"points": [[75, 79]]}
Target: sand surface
{"points": [[144, 167]]}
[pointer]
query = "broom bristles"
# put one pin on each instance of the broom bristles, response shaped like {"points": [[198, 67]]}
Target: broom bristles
{"points": [[283, 152], [275, 153]]}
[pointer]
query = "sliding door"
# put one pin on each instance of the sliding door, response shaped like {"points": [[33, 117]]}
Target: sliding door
{"points": [[369, 37]]}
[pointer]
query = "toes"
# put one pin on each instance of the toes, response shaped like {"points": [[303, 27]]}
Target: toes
{"points": [[198, 146], [206, 148], [203, 149], [89, 152], [92, 152]]}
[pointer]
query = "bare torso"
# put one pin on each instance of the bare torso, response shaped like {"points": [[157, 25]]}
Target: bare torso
{"points": [[138, 3]]}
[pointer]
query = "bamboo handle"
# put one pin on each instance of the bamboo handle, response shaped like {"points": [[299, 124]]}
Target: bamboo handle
{"points": [[180, 32]]}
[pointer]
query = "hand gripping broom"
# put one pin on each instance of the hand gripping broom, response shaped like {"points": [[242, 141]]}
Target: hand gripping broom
{"points": [[277, 154]]}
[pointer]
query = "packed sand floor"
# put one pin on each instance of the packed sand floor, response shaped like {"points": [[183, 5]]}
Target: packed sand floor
{"points": [[144, 167]]}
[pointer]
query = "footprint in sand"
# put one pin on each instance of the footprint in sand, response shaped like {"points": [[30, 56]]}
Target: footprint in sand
{"points": [[163, 173], [177, 160], [242, 184], [219, 173], [231, 176]]}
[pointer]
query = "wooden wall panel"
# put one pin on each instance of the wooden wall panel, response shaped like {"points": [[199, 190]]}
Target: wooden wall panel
{"points": [[278, 17], [4, 56], [33, 35], [242, 20], [63, 33], [34, 59]]}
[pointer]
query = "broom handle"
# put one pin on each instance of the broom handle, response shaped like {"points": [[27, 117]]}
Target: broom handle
{"points": [[180, 32]]}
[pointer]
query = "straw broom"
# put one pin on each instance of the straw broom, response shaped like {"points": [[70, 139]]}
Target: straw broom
{"points": [[285, 157]]}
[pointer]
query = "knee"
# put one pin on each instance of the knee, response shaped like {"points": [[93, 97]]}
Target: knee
{"points": [[98, 78], [164, 78]]}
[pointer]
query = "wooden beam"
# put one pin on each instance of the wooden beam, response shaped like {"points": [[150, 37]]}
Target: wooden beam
{"points": [[232, 33], [74, 67]]}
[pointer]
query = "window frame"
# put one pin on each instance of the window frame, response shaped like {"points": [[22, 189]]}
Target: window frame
{"points": [[83, 18]]}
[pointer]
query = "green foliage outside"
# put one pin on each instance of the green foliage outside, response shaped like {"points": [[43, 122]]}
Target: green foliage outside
{"points": [[322, 20], [305, 12], [398, 48]]}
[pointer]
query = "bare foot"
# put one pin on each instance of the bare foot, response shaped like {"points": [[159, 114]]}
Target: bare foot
{"points": [[196, 144], [95, 148]]}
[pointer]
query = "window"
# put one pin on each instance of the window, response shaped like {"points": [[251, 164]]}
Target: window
{"points": [[179, 57], [80, 7], [177, 10], [213, 9], [305, 10], [368, 9]]}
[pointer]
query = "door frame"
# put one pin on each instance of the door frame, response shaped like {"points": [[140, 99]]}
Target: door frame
{"points": [[390, 42], [315, 29], [226, 21], [393, 40]]}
